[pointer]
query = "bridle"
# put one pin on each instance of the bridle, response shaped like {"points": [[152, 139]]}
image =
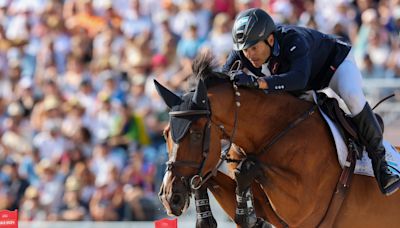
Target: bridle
{"points": [[196, 181]]}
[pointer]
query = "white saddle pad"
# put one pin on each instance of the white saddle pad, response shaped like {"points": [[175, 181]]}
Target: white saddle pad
{"points": [[363, 166]]}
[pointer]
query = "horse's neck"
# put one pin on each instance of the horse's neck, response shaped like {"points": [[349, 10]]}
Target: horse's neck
{"points": [[260, 116], [269, 115]]}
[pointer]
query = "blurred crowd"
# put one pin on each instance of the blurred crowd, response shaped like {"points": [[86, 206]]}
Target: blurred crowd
{"points": [[80, 121]]}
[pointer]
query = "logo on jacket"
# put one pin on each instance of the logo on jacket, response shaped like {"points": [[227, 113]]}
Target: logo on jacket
{"points": [[274, 67]]}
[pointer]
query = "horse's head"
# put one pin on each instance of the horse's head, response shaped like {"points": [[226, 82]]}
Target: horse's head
{"points": [[189, 143]]}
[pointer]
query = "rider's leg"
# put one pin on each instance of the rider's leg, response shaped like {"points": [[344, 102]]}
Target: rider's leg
{"points": [[347, 83]]}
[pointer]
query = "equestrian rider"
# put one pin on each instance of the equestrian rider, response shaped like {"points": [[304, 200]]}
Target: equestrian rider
{"points": [[292, 58]]}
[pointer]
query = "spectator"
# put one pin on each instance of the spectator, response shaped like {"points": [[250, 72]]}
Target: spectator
{"points": [[86, 179], [220, 37], [189, 45], [140, 173], [138, 206], [72, 209], [101, 205], [17, 184], [31, 209], [50, 187]]}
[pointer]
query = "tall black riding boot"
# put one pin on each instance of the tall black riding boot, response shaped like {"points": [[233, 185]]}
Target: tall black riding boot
{"points": [[370, 134]]}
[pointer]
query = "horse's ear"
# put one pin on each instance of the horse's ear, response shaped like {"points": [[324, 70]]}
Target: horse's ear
{"points": [[200, 95], [170, 98]]}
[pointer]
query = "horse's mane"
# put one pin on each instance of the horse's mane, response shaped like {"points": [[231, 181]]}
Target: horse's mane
{"points": [[204, 68]]}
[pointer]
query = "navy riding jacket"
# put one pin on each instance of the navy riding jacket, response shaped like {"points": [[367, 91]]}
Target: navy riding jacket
{"points": [[302, 59]]}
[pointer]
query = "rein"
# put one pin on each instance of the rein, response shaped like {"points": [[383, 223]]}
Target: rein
{"points": [[267, 146]]}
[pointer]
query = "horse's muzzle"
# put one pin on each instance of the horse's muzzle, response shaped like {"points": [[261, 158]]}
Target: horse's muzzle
{"points": [[174, 201]]}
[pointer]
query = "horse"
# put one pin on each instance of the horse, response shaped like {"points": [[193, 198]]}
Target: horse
{"points": [[301, 167]]}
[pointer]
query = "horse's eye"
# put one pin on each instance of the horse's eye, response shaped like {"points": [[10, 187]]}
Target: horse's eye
{"points": [[195, 136]]}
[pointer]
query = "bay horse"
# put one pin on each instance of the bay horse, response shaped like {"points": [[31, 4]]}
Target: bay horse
{"points": [[302, 167]]}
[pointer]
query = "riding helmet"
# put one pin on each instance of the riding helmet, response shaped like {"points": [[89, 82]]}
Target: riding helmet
{"points": [[251, 26]]}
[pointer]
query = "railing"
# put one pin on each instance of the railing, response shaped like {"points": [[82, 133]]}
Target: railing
{"points": [[377, 88]]}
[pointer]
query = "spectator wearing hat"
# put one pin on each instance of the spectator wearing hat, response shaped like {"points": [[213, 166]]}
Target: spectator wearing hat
{"points": [[103, 118], [31, 208], [50, 187], [16, 136], [72, 209], [73, 117], [48, 107], [86, 181], [50, 141]]}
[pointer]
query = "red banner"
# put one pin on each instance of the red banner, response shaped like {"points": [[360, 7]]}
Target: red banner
{"points": [[9, 219], [166, 223]]}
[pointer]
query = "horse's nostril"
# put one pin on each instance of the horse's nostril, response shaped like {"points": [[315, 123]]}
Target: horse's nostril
{"points": [[176, 198]]}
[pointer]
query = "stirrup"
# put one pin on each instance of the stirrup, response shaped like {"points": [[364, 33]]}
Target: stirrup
{"points": [[391, 189]]}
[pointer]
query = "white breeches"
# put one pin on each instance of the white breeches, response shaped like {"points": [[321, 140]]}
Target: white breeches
{"points": [[347, 83]]}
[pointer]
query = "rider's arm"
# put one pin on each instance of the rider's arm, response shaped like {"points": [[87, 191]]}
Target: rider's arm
{"points": [[296, 52]]}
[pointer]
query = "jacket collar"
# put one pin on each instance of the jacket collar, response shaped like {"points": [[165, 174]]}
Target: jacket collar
{"points": [[276, 48]]}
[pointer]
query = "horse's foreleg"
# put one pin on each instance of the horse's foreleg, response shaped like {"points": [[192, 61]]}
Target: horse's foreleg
{"points": [[223, 188], [205, 217]]}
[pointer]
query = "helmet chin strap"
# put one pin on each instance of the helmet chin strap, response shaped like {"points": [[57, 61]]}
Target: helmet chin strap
{"points": [[271, 48]]}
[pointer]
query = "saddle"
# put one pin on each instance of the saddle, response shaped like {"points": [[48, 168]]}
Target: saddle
{"points": [[347, 129]]}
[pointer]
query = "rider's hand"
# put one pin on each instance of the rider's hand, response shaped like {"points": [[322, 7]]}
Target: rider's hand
{"points": [[243, 79]]}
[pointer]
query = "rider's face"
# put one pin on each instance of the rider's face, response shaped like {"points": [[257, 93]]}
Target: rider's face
{"points": [[258, 53]]}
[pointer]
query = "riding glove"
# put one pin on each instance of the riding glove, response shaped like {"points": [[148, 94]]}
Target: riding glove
{"points": [[245, 80]]}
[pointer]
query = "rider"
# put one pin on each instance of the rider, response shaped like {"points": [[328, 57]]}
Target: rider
{"points": [[292, 58]]}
